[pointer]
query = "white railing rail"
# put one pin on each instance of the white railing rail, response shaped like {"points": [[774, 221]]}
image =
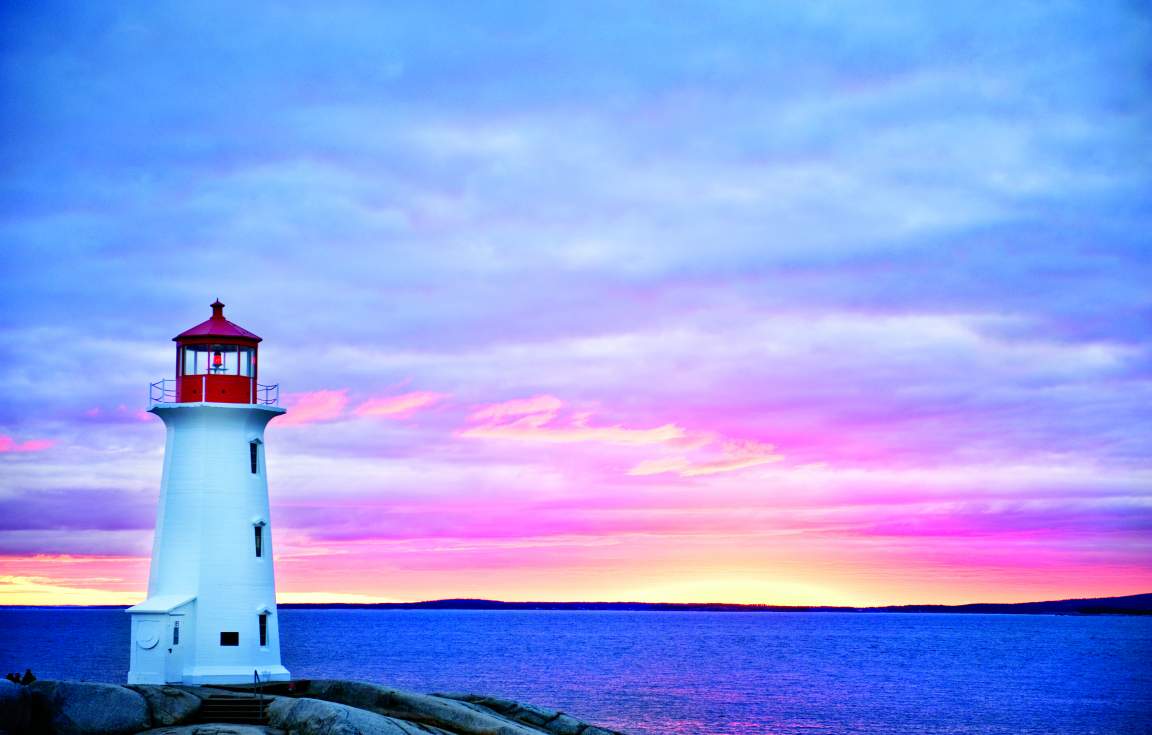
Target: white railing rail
{"points": [[164, 391]]}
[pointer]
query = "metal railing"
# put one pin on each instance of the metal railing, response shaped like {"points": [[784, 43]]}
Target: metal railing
{"points": [[268, 395], [164, 391]]}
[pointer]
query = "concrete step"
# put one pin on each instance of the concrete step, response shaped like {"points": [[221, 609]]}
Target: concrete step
{"points": [[236, 710]]}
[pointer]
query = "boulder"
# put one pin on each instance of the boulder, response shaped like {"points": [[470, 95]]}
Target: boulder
{"points": [[543, 718], [88, 708], [526, 714], [449, 714], [169, 705], [201, 692], [306, 716], [215, 729], [14, 714]]}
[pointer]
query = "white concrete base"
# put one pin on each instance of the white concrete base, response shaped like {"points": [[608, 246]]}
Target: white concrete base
{"points": [[233, 675]]}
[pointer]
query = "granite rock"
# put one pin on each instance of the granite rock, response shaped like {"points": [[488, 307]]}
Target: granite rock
{"points": [[14, 714], [215, 729], [87, 708], [170, 705], [306, 716], [323, 707], [543, 718], [452, 715]]}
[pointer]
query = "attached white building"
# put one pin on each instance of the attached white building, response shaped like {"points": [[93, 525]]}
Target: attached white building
{"points": [[210, 616]]}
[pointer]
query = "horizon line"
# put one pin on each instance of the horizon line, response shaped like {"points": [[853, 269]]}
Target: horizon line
{"points": [[752, 605]]}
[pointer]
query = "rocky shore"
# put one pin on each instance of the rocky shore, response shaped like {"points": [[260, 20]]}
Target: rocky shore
{"points": [[313, 707]]}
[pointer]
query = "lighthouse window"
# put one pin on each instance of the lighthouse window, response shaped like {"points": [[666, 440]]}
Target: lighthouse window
{"points": [[264, 629], [259, 540], [229, 638], [247, 358], [254, 456], [192, 359], [176, 633]]}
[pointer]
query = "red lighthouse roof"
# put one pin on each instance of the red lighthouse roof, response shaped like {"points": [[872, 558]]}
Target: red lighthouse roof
{"points": [[218, 326]]}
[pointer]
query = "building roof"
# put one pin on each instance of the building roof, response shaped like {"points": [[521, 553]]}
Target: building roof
{"points": [[218, 326], [161, 603]]}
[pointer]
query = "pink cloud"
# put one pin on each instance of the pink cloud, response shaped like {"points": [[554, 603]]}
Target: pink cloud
{"points": [[539, 421], [518, 407], [314, 406], [400, 406], [736, 454], [10, 445]]}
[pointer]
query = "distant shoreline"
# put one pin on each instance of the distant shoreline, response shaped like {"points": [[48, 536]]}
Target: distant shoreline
{"points": [[1128, 605]]}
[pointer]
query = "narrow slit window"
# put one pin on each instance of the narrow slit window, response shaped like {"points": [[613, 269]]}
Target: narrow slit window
{"points": [[176, 633], [254, 456], [264, 629], [229, 638], [259, 530]]}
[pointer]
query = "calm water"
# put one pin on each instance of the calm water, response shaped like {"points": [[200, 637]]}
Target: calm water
{"points": [[714, 673]]}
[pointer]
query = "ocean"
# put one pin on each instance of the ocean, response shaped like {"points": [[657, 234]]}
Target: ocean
{"points": [[664, 673]]}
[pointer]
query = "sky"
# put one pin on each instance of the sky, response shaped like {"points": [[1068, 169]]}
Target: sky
{"points": [[797, 303]]}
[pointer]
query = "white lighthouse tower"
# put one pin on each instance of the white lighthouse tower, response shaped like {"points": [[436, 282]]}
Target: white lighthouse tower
{"points": [[210, 616]]}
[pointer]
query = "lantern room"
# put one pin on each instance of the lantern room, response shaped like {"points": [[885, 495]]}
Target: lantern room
{"points": [[216, 362]]}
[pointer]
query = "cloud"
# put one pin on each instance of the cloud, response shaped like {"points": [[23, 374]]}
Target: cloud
{"points": [[539, 421], [735, 455], [312, 407], [517, 407], [120, 414], [400, 406], [10, 445], [77, 509]]}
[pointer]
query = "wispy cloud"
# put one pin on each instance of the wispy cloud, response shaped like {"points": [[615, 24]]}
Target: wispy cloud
{"points": [[399, 406], [538, 419], [542, 418], [9, 444], [734, 455], [315, 406]]}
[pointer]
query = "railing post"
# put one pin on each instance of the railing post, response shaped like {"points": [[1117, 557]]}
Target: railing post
{"points": [[258, 690]]}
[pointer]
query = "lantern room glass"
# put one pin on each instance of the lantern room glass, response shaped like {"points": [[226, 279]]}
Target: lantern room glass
{"points": [[218, 360]]}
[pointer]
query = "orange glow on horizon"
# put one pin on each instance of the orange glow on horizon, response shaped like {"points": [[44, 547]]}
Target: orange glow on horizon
{"points": [[368, 578]]}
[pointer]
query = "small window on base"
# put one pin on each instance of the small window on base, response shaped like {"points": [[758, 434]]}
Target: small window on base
{"points": [[264, 630], [229, 638]]}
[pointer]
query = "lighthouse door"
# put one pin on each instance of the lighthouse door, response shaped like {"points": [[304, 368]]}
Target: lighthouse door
{"points": [[174, 661]]}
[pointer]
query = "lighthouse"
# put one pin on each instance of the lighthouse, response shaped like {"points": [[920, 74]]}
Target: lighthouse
{"points": [[210, 616]]}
